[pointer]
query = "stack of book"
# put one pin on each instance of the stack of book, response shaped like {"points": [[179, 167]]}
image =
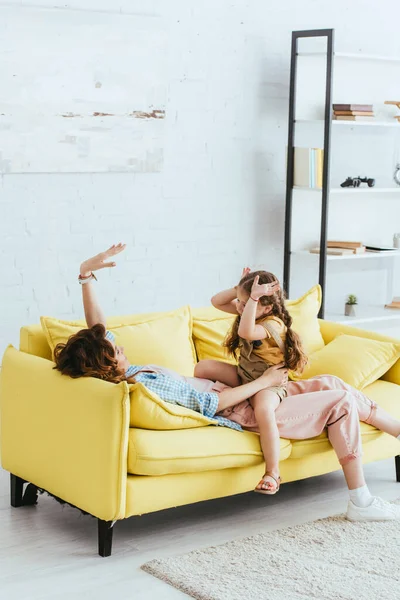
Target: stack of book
{"points": [[353, 112], [395, 303], [341, 248], [308, 167]]}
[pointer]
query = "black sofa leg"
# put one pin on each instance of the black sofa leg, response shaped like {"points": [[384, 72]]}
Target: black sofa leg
{"points": [[105, 532], [16, 490], [397, 462], [18, 496]]}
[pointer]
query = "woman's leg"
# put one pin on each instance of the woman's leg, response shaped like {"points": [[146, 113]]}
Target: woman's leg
{"points": [[338, 411], [217, 371], [368, 410], [307, 415], [354, 474], [265, 404]]}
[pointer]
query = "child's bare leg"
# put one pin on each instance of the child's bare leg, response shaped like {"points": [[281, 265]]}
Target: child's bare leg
{"points": [[217, 371], [264, 404]]}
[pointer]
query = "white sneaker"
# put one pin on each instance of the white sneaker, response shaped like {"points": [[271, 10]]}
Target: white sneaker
{"points": [[378, 510]]}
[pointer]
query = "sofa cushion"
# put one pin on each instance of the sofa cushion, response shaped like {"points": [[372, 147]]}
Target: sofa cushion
{"points": [[149, 411], [32, 340], [358, 361], [385, 394], [164, 339], [304, 312], [194, 450], [210, 326]]}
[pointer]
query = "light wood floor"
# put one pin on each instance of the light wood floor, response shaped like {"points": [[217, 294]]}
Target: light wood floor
{"points": [[49, 551]]}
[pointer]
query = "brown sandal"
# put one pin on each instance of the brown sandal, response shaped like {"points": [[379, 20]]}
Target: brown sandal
{"points": [[269, 492]]}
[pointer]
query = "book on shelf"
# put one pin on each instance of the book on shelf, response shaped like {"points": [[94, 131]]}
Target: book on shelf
{"points": [[335, 251], [381, 249], [345, 244], [358, 107], [351, 118], [395, 303], [308, 167], [354, 113]]}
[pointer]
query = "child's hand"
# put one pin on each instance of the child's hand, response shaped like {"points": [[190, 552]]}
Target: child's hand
{"points": [[99, 261], [266, 289]]}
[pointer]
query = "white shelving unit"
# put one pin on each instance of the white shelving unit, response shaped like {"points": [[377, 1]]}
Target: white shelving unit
{"points": [[365, 314]]}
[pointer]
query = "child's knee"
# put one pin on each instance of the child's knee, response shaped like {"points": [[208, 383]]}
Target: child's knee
{"points": [[202, 368], [265, 402]]}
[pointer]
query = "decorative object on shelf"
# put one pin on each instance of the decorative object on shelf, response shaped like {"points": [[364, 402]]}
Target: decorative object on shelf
{"points": [[395, 303], [349, 309], [396, 175], [394, 103], [353, 112], [355, 182], [396, 240]]}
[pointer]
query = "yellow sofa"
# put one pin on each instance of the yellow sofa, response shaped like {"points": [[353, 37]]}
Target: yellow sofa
{"points": [[115, 452]]}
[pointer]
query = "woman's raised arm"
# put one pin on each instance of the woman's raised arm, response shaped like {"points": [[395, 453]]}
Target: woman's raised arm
{"points": [[93, 312]]}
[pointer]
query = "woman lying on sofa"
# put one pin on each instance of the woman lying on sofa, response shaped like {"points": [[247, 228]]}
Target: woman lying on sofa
{"points": [[310, 406]]}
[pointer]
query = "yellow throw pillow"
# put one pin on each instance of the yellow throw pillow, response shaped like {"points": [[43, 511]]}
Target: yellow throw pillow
{"points": [[358, 361], [304, 312], [163, 339], [149, 411], [210, 326]]}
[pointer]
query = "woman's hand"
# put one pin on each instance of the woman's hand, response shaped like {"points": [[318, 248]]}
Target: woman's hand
{"points": [[274, 376], [266, 289], [99, 261]]}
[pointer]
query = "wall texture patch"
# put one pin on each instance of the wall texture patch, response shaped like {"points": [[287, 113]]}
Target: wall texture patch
{"points": [[50, 103]]}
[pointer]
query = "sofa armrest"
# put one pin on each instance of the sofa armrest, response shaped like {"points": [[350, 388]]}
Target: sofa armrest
{"points": [[330, 330], [68, 436]]}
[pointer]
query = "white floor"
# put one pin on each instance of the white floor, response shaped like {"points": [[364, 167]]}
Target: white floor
{"points": [[49, 551]]}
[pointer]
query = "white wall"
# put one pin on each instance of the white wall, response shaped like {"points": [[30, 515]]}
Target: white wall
{"points": [[217, 202]]}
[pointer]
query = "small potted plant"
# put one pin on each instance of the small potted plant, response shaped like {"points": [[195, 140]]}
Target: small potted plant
{"points": [[349, 309]]}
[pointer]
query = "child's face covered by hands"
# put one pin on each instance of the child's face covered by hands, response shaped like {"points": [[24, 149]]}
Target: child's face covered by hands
{"points": [[242, 298]]}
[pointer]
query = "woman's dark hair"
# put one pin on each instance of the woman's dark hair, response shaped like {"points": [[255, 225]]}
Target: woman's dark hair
{"points": [[295, 357], [88, 354]]}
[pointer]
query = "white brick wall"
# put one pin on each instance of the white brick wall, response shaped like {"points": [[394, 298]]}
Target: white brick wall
{"points": [[218, 202]]}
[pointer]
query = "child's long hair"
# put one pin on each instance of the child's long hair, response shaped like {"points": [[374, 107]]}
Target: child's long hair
{"points": [[88, 354], [295, 357]]}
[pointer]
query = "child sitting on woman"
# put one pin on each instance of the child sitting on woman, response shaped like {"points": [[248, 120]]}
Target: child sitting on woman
{"points": [[261, 337]]}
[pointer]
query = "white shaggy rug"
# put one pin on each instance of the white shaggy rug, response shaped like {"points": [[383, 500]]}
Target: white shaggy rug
{"points": [[330, 559]]}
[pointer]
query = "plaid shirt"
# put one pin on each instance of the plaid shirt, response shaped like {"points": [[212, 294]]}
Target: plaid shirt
{"points": [[179, 392]]}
